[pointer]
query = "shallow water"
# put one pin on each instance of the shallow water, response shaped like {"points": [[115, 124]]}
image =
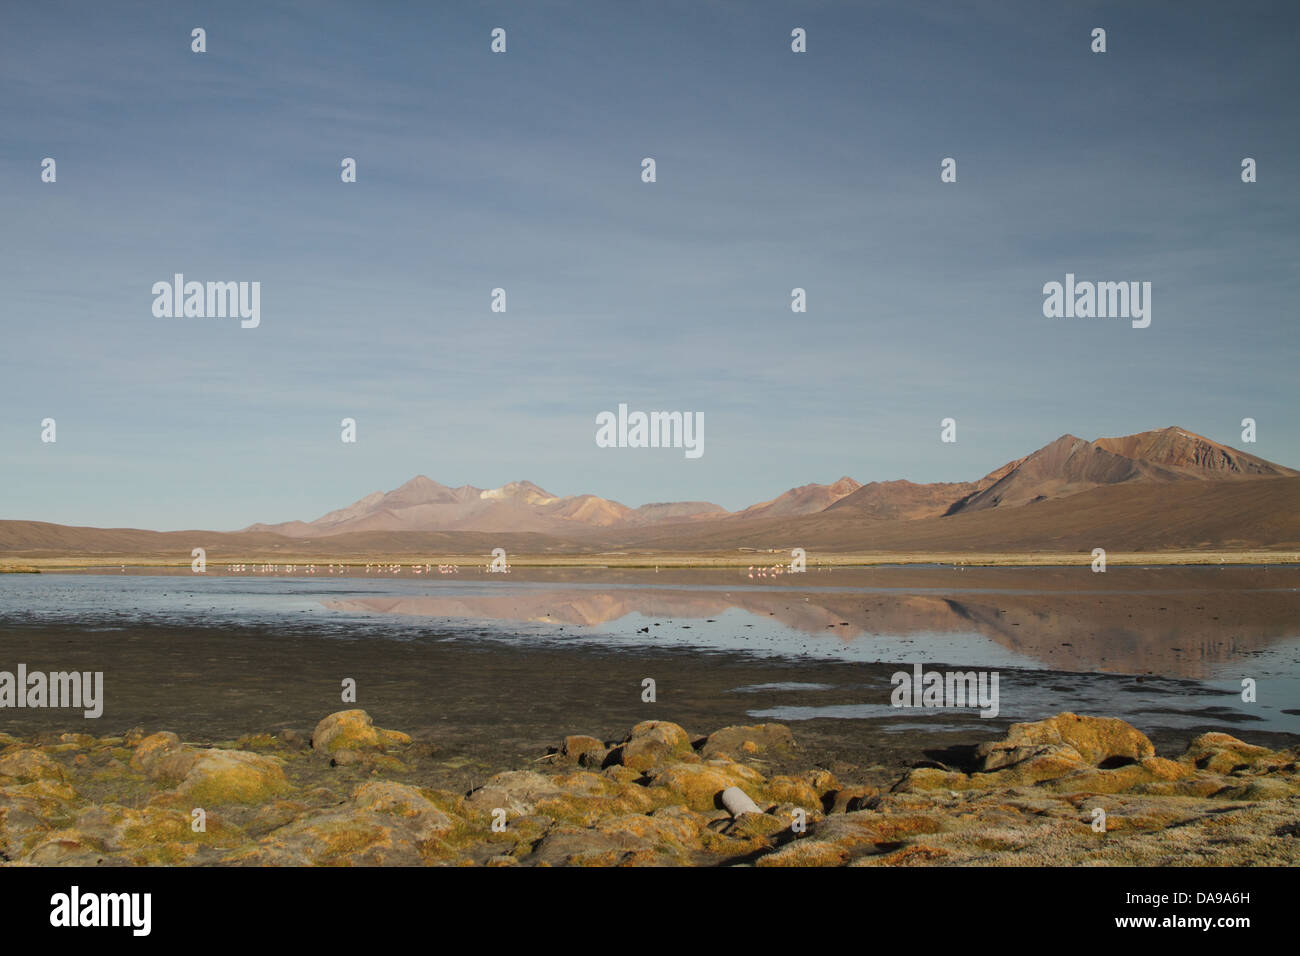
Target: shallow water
{"points": [[1159, 647]]}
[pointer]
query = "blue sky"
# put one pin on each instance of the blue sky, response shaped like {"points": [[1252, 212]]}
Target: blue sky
{"points": [[522, 171]]}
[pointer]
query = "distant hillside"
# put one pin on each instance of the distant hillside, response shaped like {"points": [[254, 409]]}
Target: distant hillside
{"points": [[1067, 467], [806, 499], [1167, 489], [1264, 513]]}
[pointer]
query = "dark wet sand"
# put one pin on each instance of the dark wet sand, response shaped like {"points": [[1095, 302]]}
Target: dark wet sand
{"points": [[486, 706]]}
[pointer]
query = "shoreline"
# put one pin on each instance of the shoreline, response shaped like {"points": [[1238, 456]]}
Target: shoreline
{"points": [[470, 562], [494, 703]]}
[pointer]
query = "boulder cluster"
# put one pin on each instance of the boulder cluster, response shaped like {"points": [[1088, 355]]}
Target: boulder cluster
{"points": [[1066, 790]]}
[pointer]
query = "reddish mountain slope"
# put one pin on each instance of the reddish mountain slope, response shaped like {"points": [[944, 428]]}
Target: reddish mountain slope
{"points": [[806, 499]]}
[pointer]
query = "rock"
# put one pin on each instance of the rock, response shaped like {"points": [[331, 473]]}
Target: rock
{"points": [[701, 785], [574, 747], [672, 829], [153, 748], [628, 840], [584, 798], [806, 852], [741, 741], [1030, 805], [386, 796], [784, 789], [931, 778], [157, 836], [584, 783], [574, 846], [737, 801], [28, 765], [222, 777], [516, 791], [1047, 762], [757, 828], [593, 759], [43, 797], [822, 781], [384, 824], [1264, 788], [1223, 753], [338, 839], [854, 798], [866, 828], [583, 750], [686, 825], [621, 774], [66, 848], [1162, 769], [652, 742], [1095, 740], [19, 826], [1093, 780], [917, 855], [353, 730], [273, 815], [1197, 787]]}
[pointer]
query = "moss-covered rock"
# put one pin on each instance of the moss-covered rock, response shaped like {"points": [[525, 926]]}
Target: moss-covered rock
{"points": [[580, 748], [806, 852], [1224, 754], [748, 741], [794, 790], [28, 764], [223, 777], [653, 742], [149, 750], [699, 786], [353, 730], [1095, 740]]}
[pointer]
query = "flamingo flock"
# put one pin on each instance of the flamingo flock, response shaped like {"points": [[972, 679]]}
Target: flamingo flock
{"points": [[371, 568], [441, 569], [415, 568], [758, 571], [279, 569]]}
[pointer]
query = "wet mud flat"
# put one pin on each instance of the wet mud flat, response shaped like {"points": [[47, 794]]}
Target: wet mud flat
{"points": [[480, 707]]}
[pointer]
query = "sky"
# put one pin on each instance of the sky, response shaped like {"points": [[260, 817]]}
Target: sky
{"points": [[522, 170]]}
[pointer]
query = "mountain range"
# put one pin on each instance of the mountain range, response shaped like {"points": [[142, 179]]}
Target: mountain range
{"points": [[1066, 467], [1162, 490]]}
